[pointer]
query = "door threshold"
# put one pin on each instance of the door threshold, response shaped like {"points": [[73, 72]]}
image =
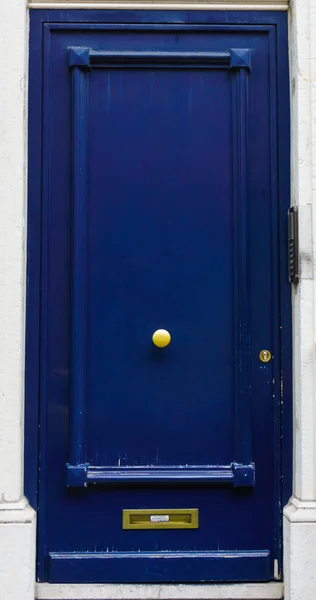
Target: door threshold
{"points": [[234, 591]]}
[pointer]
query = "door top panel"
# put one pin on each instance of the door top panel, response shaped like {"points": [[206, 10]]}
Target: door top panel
{"points": [[163, 128]]}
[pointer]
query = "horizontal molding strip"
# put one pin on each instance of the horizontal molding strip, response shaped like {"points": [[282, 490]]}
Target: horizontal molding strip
{"points": [[235, 474], [83, 57], [166, 555], [156, 591], [186, 58], [155, 5]]}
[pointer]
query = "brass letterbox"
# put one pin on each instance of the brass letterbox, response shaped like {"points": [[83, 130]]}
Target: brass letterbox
{"points": [[173, 518]]}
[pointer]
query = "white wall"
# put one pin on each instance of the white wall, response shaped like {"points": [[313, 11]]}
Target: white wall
{"points": [[300, 514], [12, 239], [17, 519]]}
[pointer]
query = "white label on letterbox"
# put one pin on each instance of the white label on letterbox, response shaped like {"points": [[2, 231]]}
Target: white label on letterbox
{"points": [[159, 518]]}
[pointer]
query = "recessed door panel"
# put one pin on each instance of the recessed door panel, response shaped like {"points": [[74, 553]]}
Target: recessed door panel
{"points": [[153, 274]]}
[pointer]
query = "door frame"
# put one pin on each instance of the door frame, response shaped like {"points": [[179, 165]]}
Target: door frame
{"points": [[35, 250]]}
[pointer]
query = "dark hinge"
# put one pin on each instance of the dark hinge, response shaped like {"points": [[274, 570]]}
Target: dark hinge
{"points": [[293, 245]]}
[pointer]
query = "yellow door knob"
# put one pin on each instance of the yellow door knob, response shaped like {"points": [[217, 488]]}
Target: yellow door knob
{"points": [[161, 338]]}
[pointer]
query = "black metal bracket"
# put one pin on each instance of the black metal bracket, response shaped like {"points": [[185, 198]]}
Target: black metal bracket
{"points": [[293, 245]]}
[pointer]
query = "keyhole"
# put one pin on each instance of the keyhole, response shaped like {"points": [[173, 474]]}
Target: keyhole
{"points": [[265, 356]]}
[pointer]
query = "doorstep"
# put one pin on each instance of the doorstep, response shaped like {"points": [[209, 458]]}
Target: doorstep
{"points": [[234, 591]]}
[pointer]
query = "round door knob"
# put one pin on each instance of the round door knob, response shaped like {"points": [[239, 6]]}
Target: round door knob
{"points": [[161, 338]]}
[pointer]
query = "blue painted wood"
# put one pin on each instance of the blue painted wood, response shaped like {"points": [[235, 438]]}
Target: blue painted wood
{"points": [[43, 375], [284, 416], [242, 424], [235, 58], [33, 283], [273, 369], [80, 520], [82, 59], [240, 58], [79, 281], [188, 567], [236, 475], [158, 19], [88, 57]]}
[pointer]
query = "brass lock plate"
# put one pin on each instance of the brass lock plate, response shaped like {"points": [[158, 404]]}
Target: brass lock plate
{"points": [[174, 518], [265, 356]]}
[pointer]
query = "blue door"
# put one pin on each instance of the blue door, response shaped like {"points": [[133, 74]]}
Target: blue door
{"points": [[160, 457]]}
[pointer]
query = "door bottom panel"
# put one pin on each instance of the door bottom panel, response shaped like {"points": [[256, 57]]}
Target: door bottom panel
{"points": [[151, 567]]}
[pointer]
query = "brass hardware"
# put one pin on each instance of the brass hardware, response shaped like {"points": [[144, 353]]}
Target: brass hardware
{"points": [[161, 338], [265, 356], [174, 518]]}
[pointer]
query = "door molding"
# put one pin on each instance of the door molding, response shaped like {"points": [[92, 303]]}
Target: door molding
{"points": [[102, 566], [238, 62]]}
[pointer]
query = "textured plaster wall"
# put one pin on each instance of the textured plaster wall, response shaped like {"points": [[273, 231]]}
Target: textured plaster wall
{"points": [[12, 243], [17, 522], [303, 97], [17, 519]]}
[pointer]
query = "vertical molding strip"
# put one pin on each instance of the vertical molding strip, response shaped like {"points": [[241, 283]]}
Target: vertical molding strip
{"points": [[78, 287], [242, 423], [244, 426]]}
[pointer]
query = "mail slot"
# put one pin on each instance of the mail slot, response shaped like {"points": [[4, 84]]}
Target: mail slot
{"points": [[175, 518]]}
